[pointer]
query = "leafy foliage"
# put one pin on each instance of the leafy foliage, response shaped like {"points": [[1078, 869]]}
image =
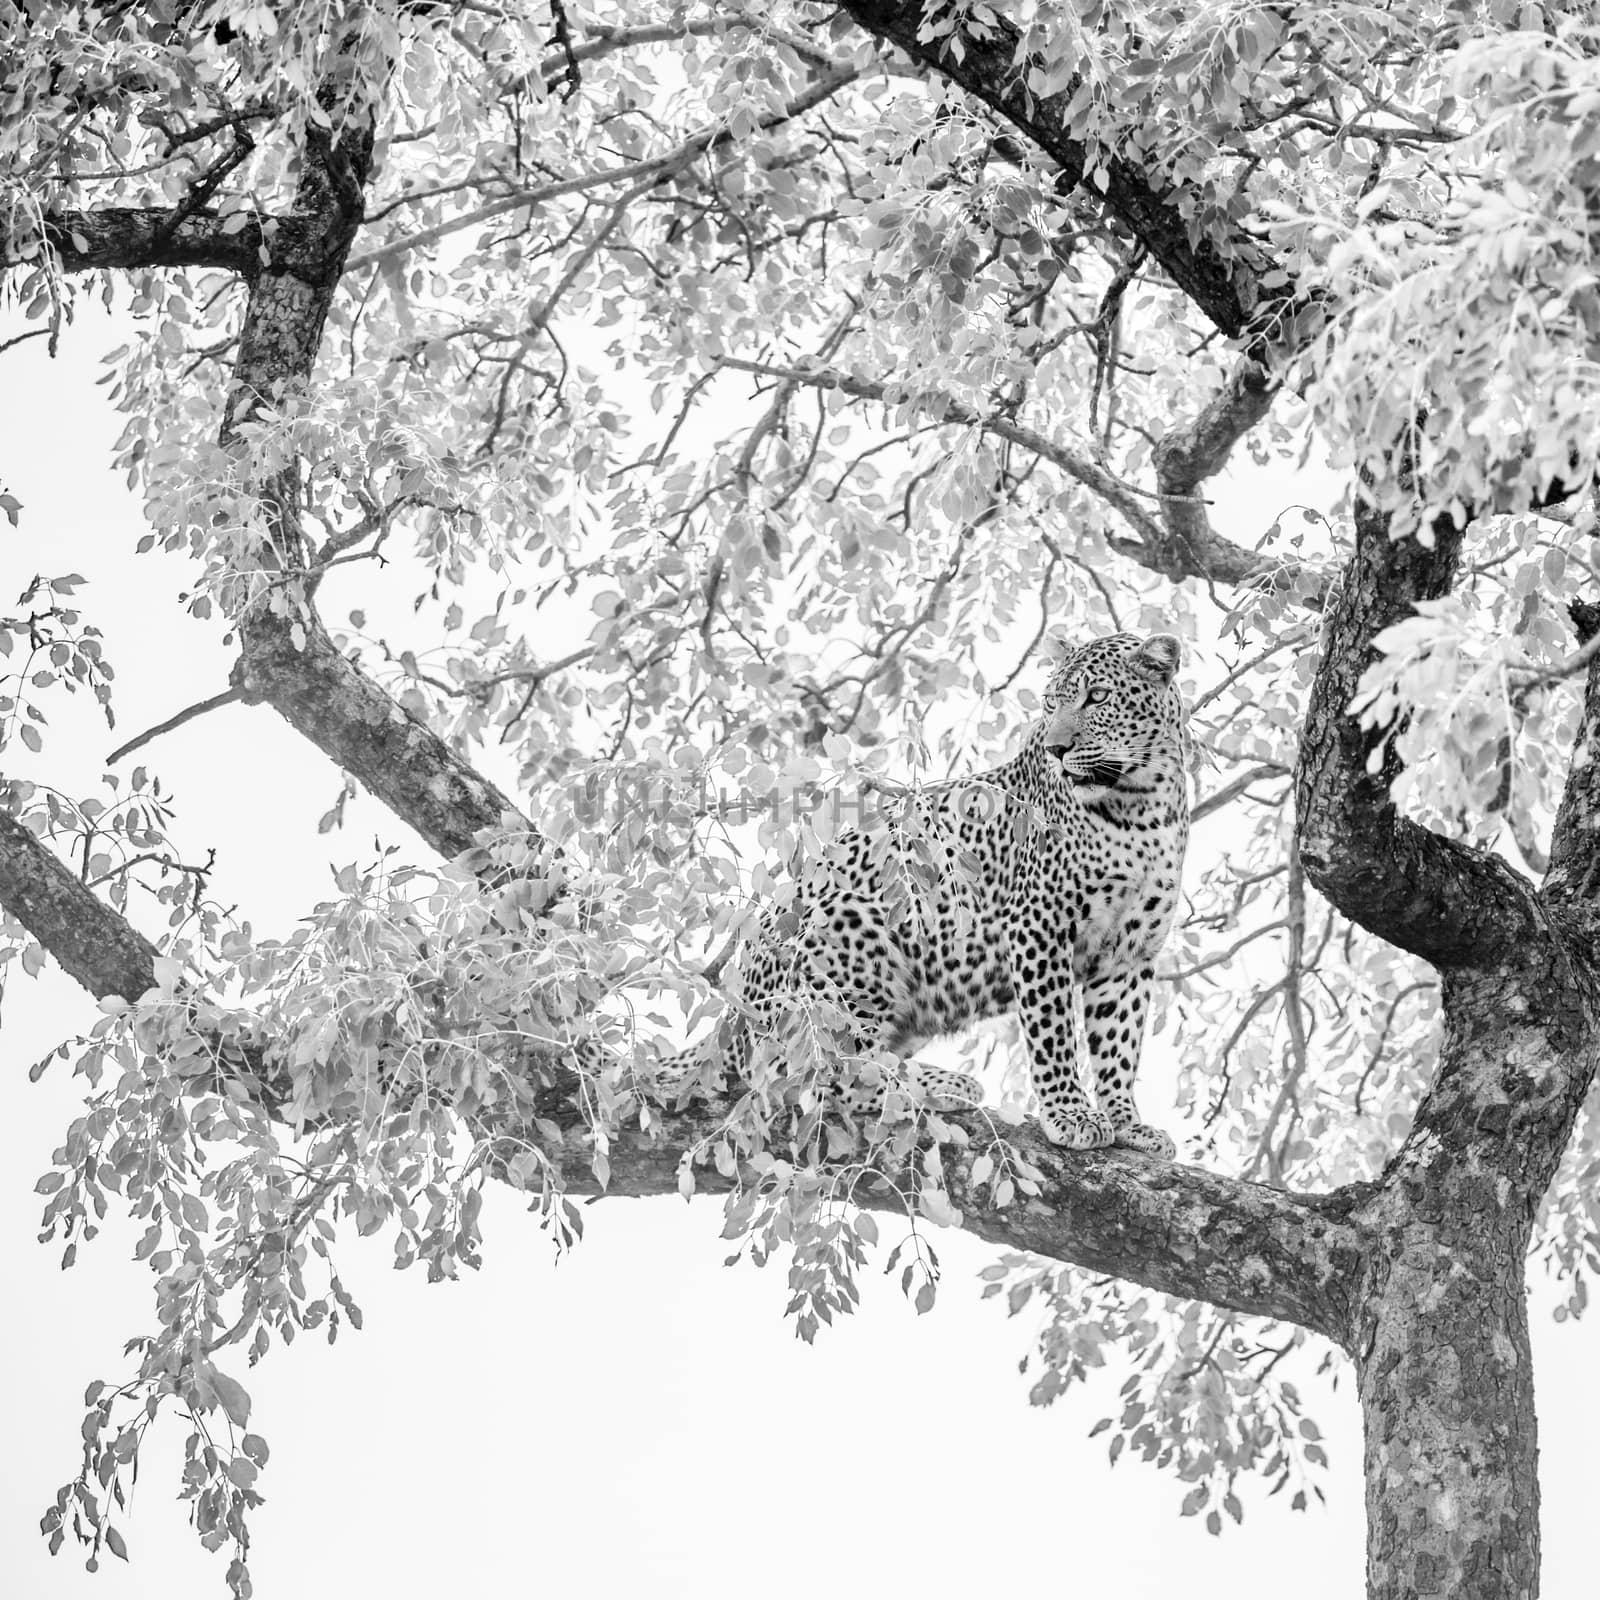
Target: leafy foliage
{"points": [[715, 421]]}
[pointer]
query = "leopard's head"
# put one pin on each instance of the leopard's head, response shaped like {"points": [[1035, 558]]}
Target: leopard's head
{"points": [[1112, 710]]}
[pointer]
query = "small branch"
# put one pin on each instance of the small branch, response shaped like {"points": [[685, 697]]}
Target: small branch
{"points": [[1185, 457], [1231, 790], [1295, 1019], [1122, 496], [1383, 1036], [1222, 957], [1216, 560], [227, 697], [1224, 1056], [32, 333], [1570, 667], [657, 170], [1044, 614]]}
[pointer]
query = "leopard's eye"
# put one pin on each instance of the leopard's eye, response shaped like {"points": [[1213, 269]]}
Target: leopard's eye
{"points": [[1098, 693]]}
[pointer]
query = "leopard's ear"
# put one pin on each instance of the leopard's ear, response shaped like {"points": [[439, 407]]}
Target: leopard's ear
{"points": [[1158, 657]]}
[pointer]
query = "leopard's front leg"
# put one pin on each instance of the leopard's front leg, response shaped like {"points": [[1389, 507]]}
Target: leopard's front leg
{"points": [[1114, 1008], [1042, 980]]}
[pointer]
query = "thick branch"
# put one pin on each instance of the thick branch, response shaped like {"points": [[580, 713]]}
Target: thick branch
{"points": [[1175, 1229], [288, 661], [1440, 900], [93, 944], [134, 236], [294, 667], [1219, 270]]}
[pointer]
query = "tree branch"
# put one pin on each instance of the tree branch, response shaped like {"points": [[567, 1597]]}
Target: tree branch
{"points": [[293, 666], [188, 714], [1217, 264], [286, 658], [94, 945], [657, 170], [1185, 457], [1235, 787], [135, 236], [1440, 900], [1228, 562], [1175, 1229]]}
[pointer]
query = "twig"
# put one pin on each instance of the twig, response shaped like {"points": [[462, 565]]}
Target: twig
{"points": [[1044, 614], [1570, 667], [1383, 1036], [1123, 496], [1232, 790], [32, 333], [1294, 1018], [225, 698]]}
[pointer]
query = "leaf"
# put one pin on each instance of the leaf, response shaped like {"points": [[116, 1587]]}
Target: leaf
{"points": [[235, 1400]]}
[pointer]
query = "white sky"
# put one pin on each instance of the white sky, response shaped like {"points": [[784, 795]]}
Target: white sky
{"points": [[636, 1419]]}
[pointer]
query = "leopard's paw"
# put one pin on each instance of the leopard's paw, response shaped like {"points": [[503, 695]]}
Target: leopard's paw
{"points": [[1152, 1141], [1076, 1130]]}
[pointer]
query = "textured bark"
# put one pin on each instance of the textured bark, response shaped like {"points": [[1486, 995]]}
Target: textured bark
{"points": [[292, 665], [136, 236], [1176, 1229], [1441, 1341], [1440, 1335], [94, 945], [1220, 277], [1446, 1384]]}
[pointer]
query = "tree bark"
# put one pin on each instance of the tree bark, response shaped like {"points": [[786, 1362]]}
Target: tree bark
{"points": [[1445, 1376]]}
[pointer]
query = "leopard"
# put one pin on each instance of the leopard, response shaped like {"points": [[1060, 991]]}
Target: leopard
{"points": [[1043, 887]]}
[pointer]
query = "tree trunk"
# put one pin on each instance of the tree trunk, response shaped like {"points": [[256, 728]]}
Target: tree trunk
{"points": [[1446, 1384], [1440, 1333]]}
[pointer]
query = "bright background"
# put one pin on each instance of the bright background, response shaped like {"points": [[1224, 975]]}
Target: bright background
{"points": [[635, 1418]]}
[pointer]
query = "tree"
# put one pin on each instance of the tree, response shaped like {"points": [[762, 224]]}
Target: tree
{"points": [[825, 358]]}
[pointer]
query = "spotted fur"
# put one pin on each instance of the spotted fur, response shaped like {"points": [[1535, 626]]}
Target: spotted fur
{"points": [[1045, 887]]}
